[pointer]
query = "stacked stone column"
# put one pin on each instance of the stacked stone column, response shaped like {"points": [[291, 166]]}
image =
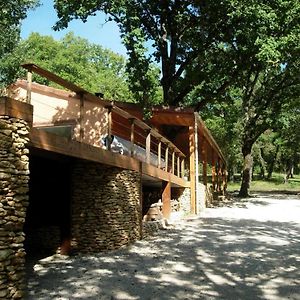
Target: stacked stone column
{"points": [[105, 204], [14, 177]]}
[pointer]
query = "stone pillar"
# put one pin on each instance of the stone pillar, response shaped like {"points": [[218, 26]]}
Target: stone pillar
{"points": [[15, 118], [184, 197], [105, 207]]}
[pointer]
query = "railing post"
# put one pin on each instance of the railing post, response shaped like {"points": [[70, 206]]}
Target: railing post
{"points": [[29, 84], [219, 176], [167, 158], [131, 136], [159, 154], [213, 170], [182, 167], [204, 161], [109, 125], [81, 118], [148, 146], [173, 161]]}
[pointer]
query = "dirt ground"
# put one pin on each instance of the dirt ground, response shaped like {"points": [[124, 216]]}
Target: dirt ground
{"points": [[245, 249]]}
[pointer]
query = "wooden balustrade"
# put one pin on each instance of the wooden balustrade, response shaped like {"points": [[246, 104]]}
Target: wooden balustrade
{"points": [[134, 125]]}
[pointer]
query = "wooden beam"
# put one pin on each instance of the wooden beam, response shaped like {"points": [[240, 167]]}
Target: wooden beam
{"points": [[192, 168], [166, 199], [29, 84], [16, 109]]}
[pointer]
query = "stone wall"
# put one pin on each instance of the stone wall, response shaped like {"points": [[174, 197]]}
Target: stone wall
{"points": [[105, 207], [14, 177], [184, 197]]}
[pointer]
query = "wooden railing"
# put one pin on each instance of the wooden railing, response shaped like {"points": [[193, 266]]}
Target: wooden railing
{"points": [[168, 156]]}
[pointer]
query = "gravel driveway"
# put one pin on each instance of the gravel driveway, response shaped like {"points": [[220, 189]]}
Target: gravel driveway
{"points": [[247, 249]]}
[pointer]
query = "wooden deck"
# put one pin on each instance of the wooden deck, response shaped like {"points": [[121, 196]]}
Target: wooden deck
{"points": [[40, 139]]}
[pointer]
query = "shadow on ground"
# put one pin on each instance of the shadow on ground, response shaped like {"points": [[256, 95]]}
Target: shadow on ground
{"points": [[227, 253]]}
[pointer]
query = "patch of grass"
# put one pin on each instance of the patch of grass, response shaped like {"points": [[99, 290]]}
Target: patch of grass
{"points": [[276, 183]]}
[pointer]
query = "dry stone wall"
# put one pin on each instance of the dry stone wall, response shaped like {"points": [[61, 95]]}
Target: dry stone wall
{"points": [[105, 207], [184, 197], [14, 177]]}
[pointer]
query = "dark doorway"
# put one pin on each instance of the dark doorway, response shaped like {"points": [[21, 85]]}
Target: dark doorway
{"points": [[47, 223]]}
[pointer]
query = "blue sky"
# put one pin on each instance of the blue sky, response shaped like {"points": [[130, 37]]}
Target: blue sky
{"points": [[95, 29]]}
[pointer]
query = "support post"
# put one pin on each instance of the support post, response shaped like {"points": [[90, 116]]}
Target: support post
{"points": [[166, 199], [192, 168], [178, 166]]}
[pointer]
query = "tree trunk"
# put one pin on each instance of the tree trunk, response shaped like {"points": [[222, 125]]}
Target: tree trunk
{"points": [[272, 163], [247, 170], [262, 163]]}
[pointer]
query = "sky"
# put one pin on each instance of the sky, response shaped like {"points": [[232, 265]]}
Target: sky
{"points": [[95, 29]]}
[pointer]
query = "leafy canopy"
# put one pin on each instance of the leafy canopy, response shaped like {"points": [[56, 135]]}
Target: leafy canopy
{"points": [[12, 13]]}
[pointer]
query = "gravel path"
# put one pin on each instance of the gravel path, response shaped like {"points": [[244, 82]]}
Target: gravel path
{"points": [[247, 249]]}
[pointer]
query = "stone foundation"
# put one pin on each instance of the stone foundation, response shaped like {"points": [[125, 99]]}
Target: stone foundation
{"points": [[105, 207], [14, 177]]}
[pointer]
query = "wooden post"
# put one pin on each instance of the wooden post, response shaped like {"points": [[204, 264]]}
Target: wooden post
{"points": [[178, 166], [204, 161], [131, 137], [219, 176], [182, 167], [159, 155], [148, 146], [173, 162], [213, 170], [109, 125], [167, 158], [192, 168], [81, 118], [198, 200], [29, 83], [224, 178], [166, 199]]}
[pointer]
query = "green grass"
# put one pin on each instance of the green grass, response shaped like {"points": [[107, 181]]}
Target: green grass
{"points": [[274, 184]]}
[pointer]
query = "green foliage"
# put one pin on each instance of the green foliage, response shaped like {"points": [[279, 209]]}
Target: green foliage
{"points": [[204, 47], [12, 13], [75, 59]]}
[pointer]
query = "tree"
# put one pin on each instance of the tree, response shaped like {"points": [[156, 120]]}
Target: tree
{"points": [[75, 59], [12, 13], [208, 48], [184, 35]]}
